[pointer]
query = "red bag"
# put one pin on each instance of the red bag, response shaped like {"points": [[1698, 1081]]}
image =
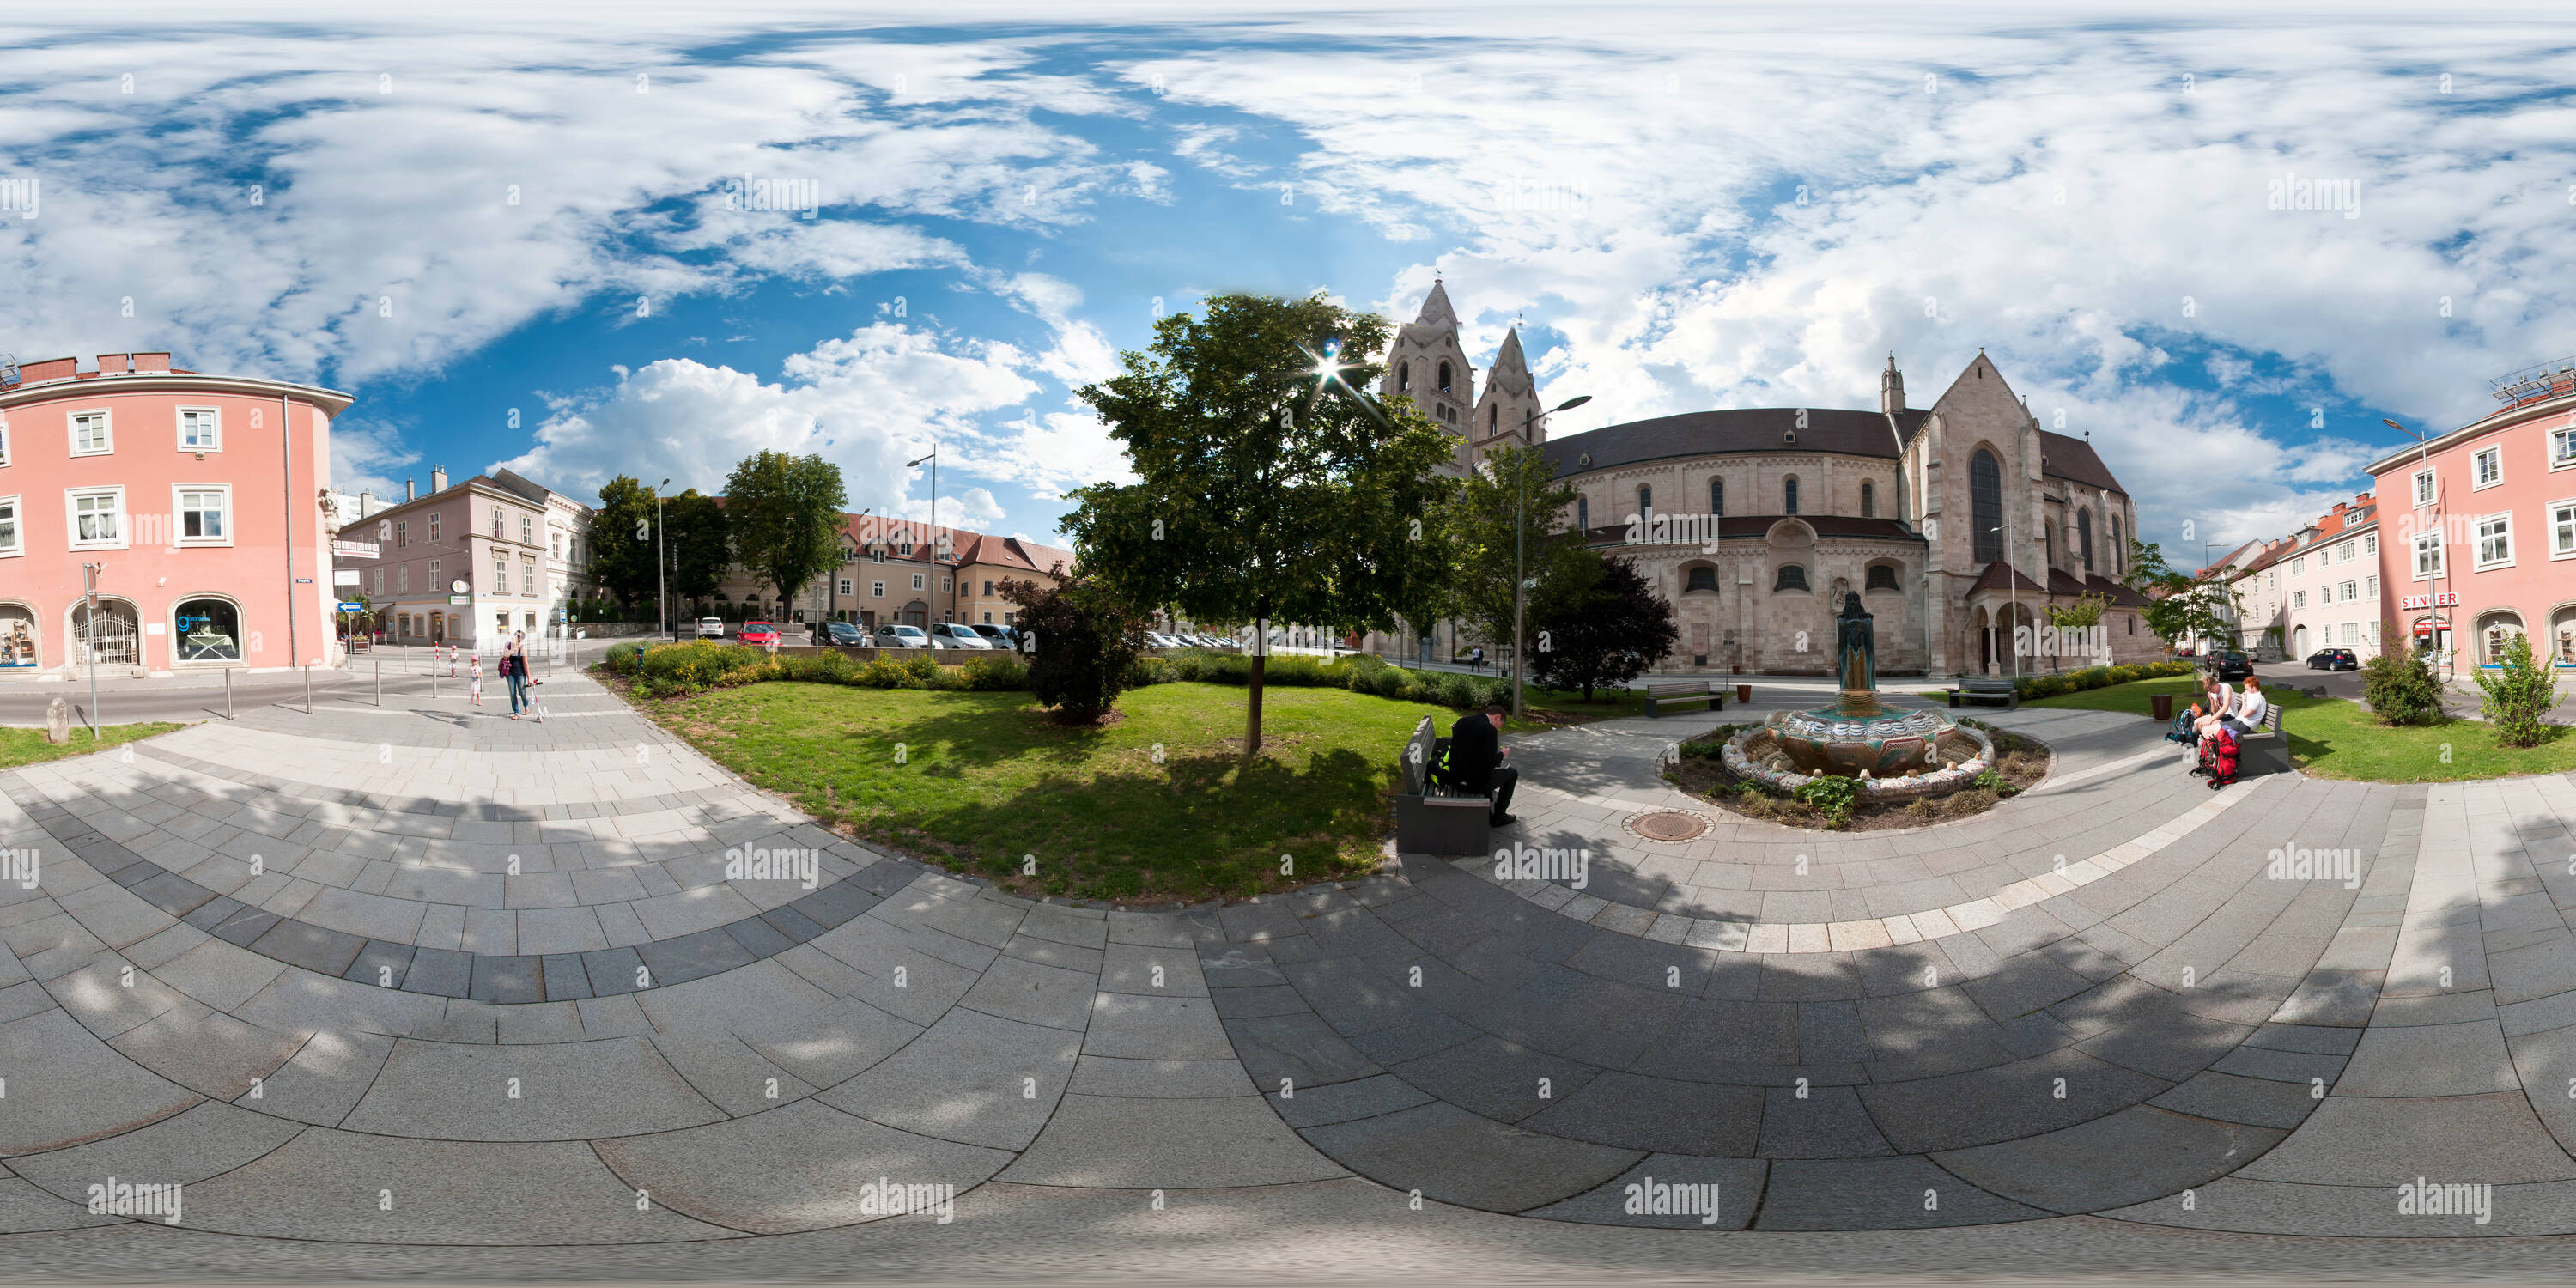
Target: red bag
{"points": [[2218, 752]]}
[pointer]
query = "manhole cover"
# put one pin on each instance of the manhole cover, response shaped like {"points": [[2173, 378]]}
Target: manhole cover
{"points": [[1668, 825]]}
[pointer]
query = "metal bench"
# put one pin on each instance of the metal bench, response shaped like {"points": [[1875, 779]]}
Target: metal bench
{"points": [[1986, 689], [2267, 749], [1429, 819], [1681, 691]]}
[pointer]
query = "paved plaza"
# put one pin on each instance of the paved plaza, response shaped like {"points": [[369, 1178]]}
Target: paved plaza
{"points": [[424, 976]]}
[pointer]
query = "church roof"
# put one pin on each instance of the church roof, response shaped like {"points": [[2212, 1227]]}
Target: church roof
{"points": [[1755, 527], [1436, 308], [1510, 358], [2000, 575], [2073, 459], [2121, 596], [1749, 429]]}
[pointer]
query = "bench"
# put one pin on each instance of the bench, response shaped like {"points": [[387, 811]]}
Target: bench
{"points": [[1682, 691], [1429, 818], [1986, 689], [2267, 749]]}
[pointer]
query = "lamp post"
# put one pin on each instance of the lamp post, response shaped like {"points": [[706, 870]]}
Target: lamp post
{"points": [[661, 583], [89, 580], [1520, 574], [933, 457], [2441, 557], [2012, 590]]}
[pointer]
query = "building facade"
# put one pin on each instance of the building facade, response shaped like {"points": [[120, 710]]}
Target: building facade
{"points": [[1955, 523], [2479, 537], [897, 571], [2317, 588], [201, 498], [497, 536]]}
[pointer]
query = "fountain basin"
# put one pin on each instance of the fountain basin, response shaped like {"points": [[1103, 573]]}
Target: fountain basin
{"points": [[1793, 748]]}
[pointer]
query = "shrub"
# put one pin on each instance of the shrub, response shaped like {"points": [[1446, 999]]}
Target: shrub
{"points": [[1150, 669], [2519, 694], [624, 658], [1085, 644], [1459, 691], [1831, 795], [2400, 688]]}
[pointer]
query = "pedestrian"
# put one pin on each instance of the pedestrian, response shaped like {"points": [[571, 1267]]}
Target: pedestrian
{"points": [[477, 689], [514, 669], [1476, 755], [451, 661]]}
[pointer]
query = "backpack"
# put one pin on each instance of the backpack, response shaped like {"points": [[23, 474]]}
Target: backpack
{"points": [[2218, 751], [2184, 730]]}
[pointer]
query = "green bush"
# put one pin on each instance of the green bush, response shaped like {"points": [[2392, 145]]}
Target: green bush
{"points": [[624, 658], [2519, 693], [1151, 668], [2400, 688], [1831, 795]]}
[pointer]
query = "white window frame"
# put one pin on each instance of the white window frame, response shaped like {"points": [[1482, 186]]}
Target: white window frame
{"points": [[438, 576], [402, 579], [71, 518], [2478, 553], [2298, 599], [500, 573], [71, 431], [2370, 587], [178, 518], [920, 582], [2425, 491], [2370, 543], [876, 590], [181, 429], [500, 523], [527, 575], [2299, 566], [527, 530], [845, 586], [2562, 529], [435, 535], [17, 546], [378, 590], [2352, 592], [2480, 461], [2428, 543], [2562, 448], [4, 440]]}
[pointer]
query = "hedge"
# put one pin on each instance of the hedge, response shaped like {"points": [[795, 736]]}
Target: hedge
{"points": [[2095, 677]]}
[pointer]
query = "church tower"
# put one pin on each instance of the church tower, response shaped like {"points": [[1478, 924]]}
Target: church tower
{"points": [[1891, 388], [1507, 414], [1426, 364]]}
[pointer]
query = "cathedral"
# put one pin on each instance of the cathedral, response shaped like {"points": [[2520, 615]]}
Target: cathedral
{"points": [[1955, 523]]}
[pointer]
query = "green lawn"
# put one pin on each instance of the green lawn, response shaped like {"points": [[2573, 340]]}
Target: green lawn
{"points": [[28, 746], [985, 778], [2335, 738]]}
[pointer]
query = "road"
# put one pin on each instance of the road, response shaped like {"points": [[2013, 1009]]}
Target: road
{"points": [[201, 696]]}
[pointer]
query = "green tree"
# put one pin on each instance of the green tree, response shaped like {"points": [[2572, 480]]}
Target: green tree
{"points": [[1481, 523], [1599, 625], [621, 540], [1271, 487], [784, 517], [2519, 694], [2084, 614], [701, 544], [1082, 642], [2178, 604]]}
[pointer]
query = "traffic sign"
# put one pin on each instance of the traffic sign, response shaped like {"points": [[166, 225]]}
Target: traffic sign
{"points": [[348, 606]]}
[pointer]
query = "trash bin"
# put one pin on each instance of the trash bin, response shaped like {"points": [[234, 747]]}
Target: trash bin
{"points": [[2162, 705], [1744, 693]]}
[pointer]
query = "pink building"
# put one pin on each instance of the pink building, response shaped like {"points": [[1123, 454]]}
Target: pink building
{"points": [[199, 497], [2478, 529]]}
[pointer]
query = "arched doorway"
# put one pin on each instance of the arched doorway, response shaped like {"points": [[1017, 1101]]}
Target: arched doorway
{"points": [[2562, 636], [2495, 635], [119, 638], [2299, 644], [21, 643], [915, 613]]}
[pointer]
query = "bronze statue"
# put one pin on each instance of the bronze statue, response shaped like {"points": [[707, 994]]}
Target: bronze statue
{"points": [[1856, 656]]}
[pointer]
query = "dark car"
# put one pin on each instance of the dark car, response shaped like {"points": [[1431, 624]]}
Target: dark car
{"points": [[2333, 659], [2230, 665], [842, 633], [1002, 637]]}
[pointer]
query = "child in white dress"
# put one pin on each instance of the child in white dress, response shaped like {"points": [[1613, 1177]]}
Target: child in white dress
{"points": [[478, 681]]}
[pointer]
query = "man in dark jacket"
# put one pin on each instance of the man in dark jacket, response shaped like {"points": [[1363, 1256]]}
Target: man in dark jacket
{"points": [[1476, 754]]}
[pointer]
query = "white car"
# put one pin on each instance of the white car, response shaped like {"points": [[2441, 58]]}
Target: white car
{"points": [[896, 635], [710, 628], [957, 635]]}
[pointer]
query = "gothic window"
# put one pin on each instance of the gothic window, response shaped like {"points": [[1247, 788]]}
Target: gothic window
{"points": [[1791, 577], [2117, 550], [1881, 577], [2084, 537], [1868, 500], [1582, 514], [1717, 496], [1403, 376], [1986, 505], [1702, 578], [1645, 501], [1493, 417], [1789, 495], [1444, 377]]}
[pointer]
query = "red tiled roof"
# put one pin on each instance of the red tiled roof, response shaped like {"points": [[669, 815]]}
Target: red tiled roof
{"points": [[2000, 575]]}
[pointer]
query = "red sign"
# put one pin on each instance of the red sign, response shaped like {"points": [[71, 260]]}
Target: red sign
{"points": [[2447, 599], [2430, 625]]}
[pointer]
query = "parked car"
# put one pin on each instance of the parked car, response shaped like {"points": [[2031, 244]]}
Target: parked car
{"points": [[761, 633], [710, 628], [2333, 659], [2230, 665], [957, 635], [1001, 637], [842, 633], [898, 635]]}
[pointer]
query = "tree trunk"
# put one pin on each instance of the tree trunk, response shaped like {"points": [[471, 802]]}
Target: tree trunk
{"points": [[1260, 667]]}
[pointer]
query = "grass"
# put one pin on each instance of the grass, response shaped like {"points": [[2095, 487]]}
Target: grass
{"points": [[20, 747], [979, 780], [2337, 738]]}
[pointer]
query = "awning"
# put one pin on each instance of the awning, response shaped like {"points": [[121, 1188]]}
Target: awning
{"points": [[2430, 625]]}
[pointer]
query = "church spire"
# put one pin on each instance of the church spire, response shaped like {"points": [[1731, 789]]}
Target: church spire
{"points": [[1436, 310], [1891, 388], [1510, 358]]}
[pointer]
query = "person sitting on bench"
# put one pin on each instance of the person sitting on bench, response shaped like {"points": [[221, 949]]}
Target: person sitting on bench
{"points": [[1476, 754], [2217, 702], [2248, 715]]}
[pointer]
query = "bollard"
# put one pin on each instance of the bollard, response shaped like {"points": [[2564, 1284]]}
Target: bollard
{"points": [[308, 690], [380, 682], [228, 693], [433, 683]]}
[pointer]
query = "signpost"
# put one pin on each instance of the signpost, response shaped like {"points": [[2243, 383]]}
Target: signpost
{"points": [[89, 582]]}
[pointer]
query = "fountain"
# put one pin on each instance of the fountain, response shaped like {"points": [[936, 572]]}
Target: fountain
{"points": [[1894, 754]]}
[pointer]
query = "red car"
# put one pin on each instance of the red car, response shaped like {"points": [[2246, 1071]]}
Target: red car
{"points": [[758, 633]]}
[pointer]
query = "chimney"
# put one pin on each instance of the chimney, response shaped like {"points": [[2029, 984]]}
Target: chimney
{"points": [[114, 363], [438, 479], [152, 362], [367, 504], [410, 493]]}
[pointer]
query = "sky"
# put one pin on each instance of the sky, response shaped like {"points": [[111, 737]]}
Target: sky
{"points": [[648, 238]]}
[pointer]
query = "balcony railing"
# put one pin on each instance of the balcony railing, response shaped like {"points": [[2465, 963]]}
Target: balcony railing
{"points": [[2533, 383]]}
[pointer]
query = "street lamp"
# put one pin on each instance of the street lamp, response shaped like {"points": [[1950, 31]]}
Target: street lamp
{"points": [[933, 457], [661, 582], [2012, 590], [1520, 574], [2442, 558]]}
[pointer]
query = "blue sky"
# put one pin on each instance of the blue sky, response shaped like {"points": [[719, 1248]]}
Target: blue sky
{"points": [[485, 209]]}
